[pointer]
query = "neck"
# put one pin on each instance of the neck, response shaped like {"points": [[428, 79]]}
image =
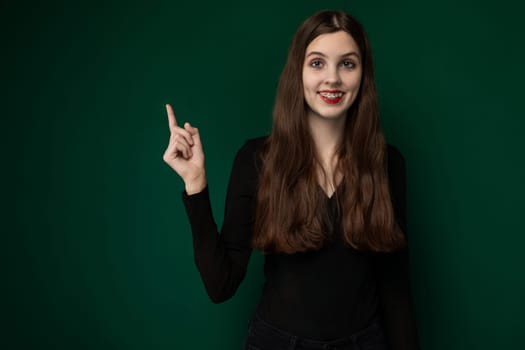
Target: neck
{"points": [[327, 135]]}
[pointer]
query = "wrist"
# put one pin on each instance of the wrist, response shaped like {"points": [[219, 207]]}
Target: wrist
{"points": [[196, 184]]}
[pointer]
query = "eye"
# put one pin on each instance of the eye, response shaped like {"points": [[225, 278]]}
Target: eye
{"points": [[348, 64], [316, 64]]}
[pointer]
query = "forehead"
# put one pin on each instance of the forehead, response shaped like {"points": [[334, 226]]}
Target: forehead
{"points": [[337, 43]]}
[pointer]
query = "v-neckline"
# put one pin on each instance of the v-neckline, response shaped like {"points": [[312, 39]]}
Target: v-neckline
{"points": [[331, 196]]}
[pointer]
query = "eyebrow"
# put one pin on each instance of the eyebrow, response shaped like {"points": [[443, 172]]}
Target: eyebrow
{"points": [[352, 53]]}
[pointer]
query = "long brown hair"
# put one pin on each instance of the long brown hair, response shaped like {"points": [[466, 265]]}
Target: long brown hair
{"points": [[290, 204]]}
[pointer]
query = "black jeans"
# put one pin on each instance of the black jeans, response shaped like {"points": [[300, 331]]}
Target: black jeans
{"points": [[264, 336]]}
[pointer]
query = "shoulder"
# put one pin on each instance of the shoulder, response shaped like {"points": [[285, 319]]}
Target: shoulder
{"points": [[248, 156], [253, 145], [395, 159], [396, 170], [251, 149], [394, 154], [397, 183]]}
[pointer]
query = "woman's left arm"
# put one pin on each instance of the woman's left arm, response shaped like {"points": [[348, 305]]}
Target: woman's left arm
{"points": [[394, 271]]}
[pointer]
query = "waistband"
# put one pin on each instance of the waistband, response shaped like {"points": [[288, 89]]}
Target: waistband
{"points": [[258, 327]]}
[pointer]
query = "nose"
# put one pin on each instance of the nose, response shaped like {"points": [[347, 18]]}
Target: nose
{"points": [[332, 76]]}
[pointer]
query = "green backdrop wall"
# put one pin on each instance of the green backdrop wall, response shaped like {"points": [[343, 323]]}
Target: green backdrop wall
{"points": [[97, 250]]}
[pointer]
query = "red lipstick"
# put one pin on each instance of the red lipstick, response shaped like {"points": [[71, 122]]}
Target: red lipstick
{"points": [[331, 96]]}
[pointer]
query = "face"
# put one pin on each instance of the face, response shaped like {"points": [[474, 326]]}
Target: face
{"points": [[331, 75]]}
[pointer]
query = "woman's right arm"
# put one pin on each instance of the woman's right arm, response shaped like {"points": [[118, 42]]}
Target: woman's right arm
{"points": [[220, 258]]}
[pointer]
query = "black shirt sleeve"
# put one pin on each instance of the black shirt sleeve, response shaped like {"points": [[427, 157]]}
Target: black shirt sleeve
{"points": [[222, 258], [393, 269]]}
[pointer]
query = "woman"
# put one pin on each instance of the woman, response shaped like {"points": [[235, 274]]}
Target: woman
{"points": [[323, 197]]}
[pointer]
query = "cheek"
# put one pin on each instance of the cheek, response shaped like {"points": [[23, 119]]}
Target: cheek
{"points": [[305, 81], [354, 85], [354, 81], [310, 82], [307, 85]]}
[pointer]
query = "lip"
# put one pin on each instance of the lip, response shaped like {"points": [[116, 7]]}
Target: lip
{"points": [[331, 101]]}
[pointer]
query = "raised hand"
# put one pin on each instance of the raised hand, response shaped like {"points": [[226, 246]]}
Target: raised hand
{"points": [[184, 154]]}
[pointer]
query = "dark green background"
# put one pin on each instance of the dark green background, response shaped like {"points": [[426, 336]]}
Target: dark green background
{"points": [[97, 251]]}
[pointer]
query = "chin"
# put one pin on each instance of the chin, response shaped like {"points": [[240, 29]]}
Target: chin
{"points": [[332, 116]]}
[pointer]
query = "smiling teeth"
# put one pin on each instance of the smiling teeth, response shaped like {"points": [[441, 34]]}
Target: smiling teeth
{"points": [[331, 95]]}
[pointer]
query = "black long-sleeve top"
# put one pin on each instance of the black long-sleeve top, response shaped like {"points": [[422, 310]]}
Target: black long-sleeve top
{"points": [[324, 294]]}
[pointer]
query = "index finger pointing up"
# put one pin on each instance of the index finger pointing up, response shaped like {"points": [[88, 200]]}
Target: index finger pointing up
{"points": [[171, 117]]}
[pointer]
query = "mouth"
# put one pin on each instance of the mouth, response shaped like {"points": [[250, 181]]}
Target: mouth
{"points": [[331, 97]]}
